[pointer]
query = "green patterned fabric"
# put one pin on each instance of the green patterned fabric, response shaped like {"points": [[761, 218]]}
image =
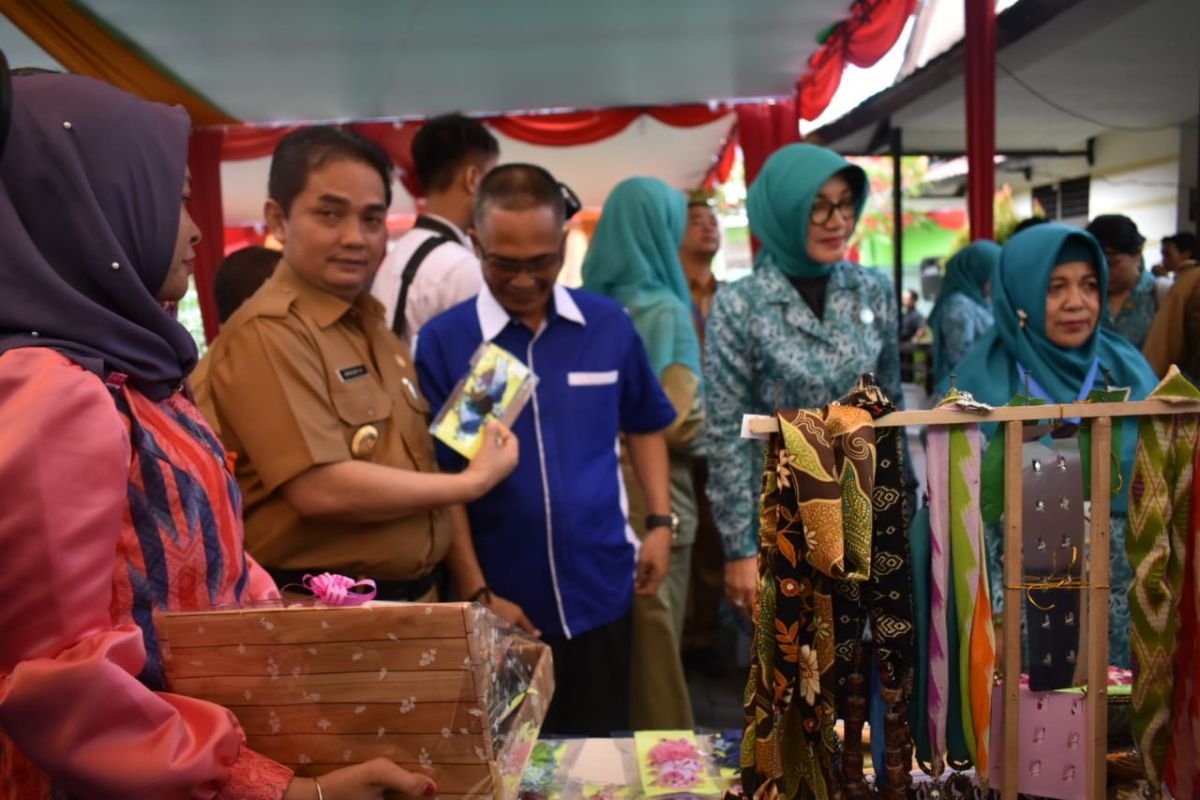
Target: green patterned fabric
{"points": [[1157, 542]]}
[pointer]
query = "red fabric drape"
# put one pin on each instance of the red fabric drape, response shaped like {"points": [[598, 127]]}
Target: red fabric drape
{"points": [[204, 159], [587, 127], [718, 173], [980, 63], [566, 130], [245, 142], [863, 39], [689, 116], [763, 128], [396, 139]]}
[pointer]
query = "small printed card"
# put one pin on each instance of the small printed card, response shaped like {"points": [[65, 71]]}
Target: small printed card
{"points": [[671, 763], [496, 387]]}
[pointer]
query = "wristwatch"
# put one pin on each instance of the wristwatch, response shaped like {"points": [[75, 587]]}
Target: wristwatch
{"points": [[663, 521]]}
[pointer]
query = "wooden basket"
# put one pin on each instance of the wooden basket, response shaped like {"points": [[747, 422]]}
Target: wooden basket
{"points": [[317, 688]]}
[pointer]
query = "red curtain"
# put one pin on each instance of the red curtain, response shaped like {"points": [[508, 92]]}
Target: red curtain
{"points": [[396, 139], [763, 128], [586, 127], [872, 30], [244, 142], [722, 165], [689, 116], [566, 130], [204, 159]]}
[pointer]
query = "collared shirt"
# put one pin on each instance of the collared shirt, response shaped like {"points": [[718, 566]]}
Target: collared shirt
{"points": [[300, 377], [702, 298], [1137, 314], [553, 536], [449, 275], [765, 350]]}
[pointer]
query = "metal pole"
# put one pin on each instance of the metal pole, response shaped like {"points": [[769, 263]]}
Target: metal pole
{"points": [[896, 145], [980, 76]]}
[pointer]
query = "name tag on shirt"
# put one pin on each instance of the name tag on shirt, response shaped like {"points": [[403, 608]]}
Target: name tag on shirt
{"points": [[348, 374], [593, 378]]}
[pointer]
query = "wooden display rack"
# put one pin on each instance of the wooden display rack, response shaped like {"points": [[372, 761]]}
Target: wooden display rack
{"points": [[317, 687], [1096, 559]]}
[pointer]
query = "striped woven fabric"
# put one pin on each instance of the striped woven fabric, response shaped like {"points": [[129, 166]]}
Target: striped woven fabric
{"points": [[1157, 544]]}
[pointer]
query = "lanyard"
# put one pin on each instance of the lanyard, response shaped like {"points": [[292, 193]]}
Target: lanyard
{"points": [[1035, 390]]}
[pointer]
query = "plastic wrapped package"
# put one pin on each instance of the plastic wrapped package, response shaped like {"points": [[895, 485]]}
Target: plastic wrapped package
{"points": [[446, 689]]}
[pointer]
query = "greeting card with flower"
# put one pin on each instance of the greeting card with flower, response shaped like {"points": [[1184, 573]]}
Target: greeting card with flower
{"points": [[671, 763]]}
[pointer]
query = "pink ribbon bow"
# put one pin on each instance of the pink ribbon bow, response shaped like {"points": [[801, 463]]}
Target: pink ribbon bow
{"points": [[339, 590]]}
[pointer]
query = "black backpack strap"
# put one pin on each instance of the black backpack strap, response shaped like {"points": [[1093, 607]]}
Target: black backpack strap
{"points": [[443, 233]]}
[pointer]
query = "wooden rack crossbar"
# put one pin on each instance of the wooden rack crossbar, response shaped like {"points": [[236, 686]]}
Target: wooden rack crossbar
{"points": [[1096, 560], [759, 424]]}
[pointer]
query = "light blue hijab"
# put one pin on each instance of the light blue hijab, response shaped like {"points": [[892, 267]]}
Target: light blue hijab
{"points": [[634, 259], [967, 272]]}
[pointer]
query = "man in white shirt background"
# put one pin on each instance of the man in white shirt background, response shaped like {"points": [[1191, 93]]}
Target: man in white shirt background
{"points": [[433, 266]]}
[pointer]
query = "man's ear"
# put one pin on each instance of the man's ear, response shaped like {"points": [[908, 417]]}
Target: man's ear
{"points": [[472, 176], [276, 219]]}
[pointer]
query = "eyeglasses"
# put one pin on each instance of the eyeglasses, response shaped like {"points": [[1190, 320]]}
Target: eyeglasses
{"points": [[511, 268], [822, 210]]}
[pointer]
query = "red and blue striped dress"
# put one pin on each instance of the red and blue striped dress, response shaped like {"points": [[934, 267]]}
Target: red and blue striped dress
{"points": [[112, 505]]}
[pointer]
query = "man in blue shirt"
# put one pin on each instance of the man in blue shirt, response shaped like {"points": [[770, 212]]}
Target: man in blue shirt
{"points": [[553, 537]]}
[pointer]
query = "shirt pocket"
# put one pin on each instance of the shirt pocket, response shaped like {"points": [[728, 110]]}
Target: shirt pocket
{"points": [[605, 378], [360, 402]]}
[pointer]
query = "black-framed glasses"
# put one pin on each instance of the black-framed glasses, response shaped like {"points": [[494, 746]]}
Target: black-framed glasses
{"points": [[511, 267], [822, 210]]}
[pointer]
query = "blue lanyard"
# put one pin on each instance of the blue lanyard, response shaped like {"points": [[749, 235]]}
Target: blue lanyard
{"points": [[1038, 391]]}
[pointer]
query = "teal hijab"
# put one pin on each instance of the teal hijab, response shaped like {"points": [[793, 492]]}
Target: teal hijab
{"points": [[1019, 286], [780, 201], [1020, 283], [967, 272], [634, 259]]}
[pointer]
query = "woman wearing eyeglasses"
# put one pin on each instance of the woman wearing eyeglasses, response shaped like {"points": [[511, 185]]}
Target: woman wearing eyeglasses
{"points": [[798, 332]]}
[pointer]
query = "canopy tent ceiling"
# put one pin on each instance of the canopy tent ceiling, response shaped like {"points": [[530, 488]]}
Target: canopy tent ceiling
{"points": [[276, 62], [1105, 64], [285, 60]]}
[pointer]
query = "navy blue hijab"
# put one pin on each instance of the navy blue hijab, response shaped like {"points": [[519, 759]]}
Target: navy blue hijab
{"points": [[91, 177]]}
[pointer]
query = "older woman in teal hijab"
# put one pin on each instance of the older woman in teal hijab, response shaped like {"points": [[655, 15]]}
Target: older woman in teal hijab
{"points": [[633, 258], [1047, 295], [798, 332], [962, 312]]}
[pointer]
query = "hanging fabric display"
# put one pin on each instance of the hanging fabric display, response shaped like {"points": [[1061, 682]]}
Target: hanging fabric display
{"points": [[886, 601], [1183, 755], [789, 742], [1157, 543], [1052, 530], [833, 556], [962, 646]]}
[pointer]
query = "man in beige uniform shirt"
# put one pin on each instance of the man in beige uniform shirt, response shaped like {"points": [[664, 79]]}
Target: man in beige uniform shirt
{"points": [[320, 401]]}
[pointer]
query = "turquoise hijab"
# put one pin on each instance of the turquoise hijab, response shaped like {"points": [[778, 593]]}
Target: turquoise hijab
{"points": [[781, 198], [967, 272], [1020, 283], [634, 259]]}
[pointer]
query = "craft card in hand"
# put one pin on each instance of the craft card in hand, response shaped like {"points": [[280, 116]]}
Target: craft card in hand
{"points": [[496, 387], [671, 763]]}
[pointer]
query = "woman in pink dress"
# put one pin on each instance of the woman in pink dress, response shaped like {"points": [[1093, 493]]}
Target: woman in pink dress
{"points": [[115, 496]]}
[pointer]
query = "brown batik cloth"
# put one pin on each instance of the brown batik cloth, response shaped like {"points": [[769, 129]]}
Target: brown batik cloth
{"points": [[815, 530], [886, 600]]}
